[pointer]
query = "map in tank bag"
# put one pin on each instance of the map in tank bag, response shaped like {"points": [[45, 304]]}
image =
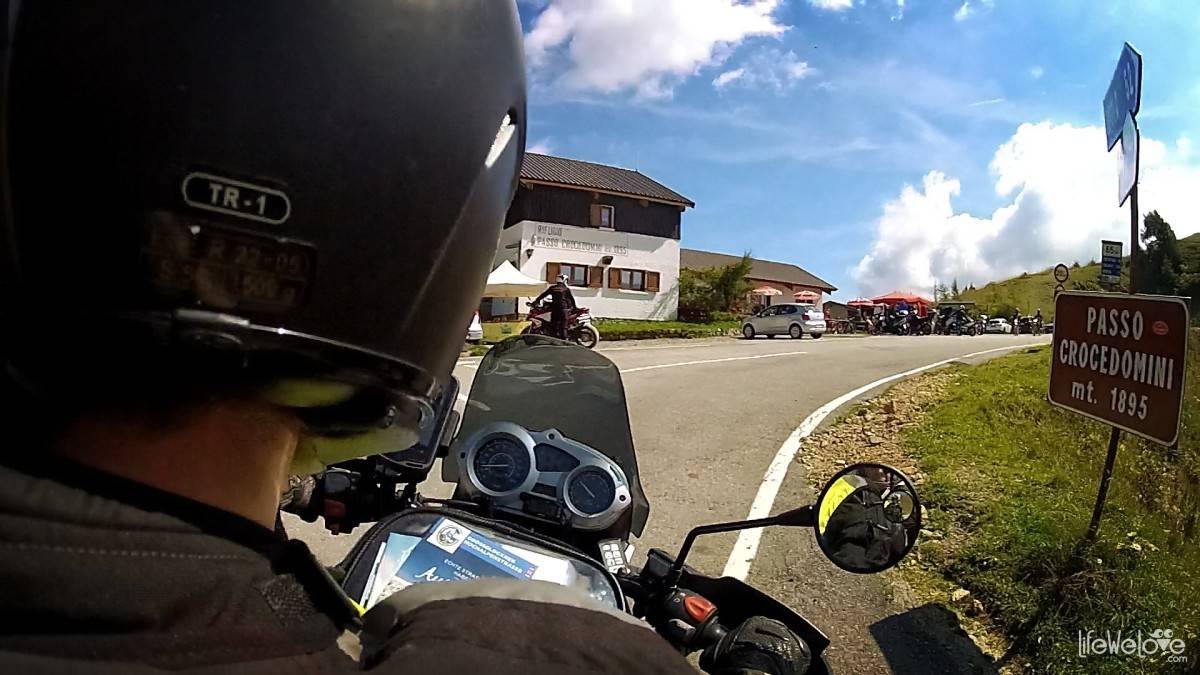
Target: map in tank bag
{"points": [[451, 551]]}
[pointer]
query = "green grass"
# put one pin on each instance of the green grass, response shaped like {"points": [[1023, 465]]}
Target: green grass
{"points": [[626, 329], [1011, 481], [478, 350]]}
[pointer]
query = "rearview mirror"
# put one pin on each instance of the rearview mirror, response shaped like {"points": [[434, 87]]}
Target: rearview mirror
{"points": [[867, 518]]}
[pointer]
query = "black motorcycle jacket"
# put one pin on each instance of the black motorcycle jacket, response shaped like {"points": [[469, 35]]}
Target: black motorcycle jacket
{"points": [[102, 575], [859, 533], [561, 298]]}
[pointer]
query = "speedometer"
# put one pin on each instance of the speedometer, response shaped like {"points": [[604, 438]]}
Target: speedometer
{"points": [[591, 491], [502, 464]]}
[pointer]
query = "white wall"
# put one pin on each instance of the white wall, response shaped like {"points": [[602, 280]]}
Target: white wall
{"points": [[551, 242]]}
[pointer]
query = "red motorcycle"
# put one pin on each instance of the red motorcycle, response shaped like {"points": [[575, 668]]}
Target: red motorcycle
{"points": [[579, 325]]}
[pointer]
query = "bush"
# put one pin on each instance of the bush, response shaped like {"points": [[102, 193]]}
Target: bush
{"points": [[720, 317], [714, 289]]}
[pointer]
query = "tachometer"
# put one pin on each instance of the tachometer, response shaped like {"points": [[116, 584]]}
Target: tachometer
{"points": [[591, 491], [501, 464]]}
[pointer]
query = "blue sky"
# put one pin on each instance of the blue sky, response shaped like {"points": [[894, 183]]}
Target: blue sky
{"points": [[877, 143]]}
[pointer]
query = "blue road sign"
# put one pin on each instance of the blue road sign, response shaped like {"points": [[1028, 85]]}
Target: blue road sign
{"points": [[1110, 261], [1124, 93]]}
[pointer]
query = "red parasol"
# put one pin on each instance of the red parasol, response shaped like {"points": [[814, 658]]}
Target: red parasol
{"points": [[860, 302], [920, 304]]}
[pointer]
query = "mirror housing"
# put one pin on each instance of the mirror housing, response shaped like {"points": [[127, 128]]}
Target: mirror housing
{"points": [[867, 518], [878, 518]]}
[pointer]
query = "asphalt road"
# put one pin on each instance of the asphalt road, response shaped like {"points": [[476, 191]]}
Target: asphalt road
{"points": [[707, 426]]}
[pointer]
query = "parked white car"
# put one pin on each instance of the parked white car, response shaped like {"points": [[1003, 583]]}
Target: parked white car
{"points": [[998, 325], [789, 318], [475, 330]]}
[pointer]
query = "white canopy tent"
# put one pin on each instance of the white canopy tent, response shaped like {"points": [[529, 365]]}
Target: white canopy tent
{"points": [[507, 281]]}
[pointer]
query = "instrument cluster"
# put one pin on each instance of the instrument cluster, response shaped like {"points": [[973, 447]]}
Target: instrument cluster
{"points": [[543, 474]]}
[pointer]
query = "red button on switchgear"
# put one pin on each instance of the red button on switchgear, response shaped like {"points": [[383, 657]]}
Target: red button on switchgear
{"points": [[698, 608]]}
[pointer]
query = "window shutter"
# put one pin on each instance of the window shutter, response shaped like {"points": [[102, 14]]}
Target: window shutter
{"points": [[652, 282], [595, 221], [614, 277], [595, 277], [552, 272]]}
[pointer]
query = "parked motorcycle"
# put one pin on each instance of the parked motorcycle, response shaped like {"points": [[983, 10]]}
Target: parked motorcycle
{"points": [[548, 488], [923, 325], [904, 322], [960, 323], [579, 324]]}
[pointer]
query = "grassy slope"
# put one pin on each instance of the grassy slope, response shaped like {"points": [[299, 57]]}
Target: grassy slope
{"points": [[1012, 481], [1189, 247], [1031, 291], [1035, 290]]}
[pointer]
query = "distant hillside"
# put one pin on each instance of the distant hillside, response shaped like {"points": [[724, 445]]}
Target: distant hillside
{"points": [[1189, 247], [1035, 290], [1032, 291]]}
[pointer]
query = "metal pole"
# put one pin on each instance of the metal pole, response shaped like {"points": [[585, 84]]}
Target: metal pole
{"points": [[1134, 251], [1115, 436], [1105, 477]]}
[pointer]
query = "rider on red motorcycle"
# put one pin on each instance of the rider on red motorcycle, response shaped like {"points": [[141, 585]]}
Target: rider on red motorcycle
{"points": [[561, 300]]}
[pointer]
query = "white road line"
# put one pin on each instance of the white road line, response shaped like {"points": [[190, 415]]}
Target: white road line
{"points": [[716, 343], [740, 559], [696, 363]]}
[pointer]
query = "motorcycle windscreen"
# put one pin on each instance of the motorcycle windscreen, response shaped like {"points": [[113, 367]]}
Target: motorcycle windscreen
{"points": [[542, 383]]}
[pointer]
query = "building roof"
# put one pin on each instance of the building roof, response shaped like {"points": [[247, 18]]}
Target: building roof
{"points": [[760, 269], [591, 176]]}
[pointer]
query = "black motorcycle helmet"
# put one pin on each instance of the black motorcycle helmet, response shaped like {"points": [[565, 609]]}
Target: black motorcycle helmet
{"points": [[302, 196]]}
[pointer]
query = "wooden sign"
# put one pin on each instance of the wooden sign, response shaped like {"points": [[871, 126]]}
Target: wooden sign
{"points": [[1120, 359]]}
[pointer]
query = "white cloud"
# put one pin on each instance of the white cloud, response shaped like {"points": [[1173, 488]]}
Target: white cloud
{"points": [[646, 46], [772, 68], [728, 76], [1062, 187], [541, 147], [967, 9], [989, 101], [832, 5], [899, 11], [1037, 72]]}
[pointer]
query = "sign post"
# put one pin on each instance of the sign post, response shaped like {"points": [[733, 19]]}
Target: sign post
{"points": [[1061, 274], [1120, 359], [1122, 101]]}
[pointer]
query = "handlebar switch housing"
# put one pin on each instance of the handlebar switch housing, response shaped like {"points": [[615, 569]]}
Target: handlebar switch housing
{"points": [[688, 620]]}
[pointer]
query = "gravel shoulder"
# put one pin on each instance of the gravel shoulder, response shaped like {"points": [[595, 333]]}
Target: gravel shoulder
{"points": [[900, 621]]}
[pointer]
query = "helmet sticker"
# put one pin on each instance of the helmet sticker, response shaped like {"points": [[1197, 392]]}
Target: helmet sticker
{"points": [[236, 198], [208, 266]]}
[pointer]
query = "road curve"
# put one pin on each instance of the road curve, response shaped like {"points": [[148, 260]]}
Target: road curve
{"points": [[708, 417]]}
